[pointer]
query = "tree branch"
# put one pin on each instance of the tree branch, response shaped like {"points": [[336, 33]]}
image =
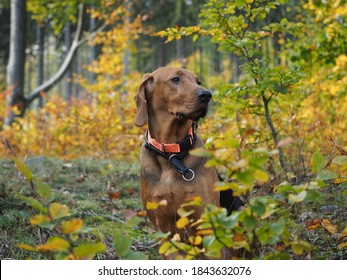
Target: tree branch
{"points": [[76, 43]]}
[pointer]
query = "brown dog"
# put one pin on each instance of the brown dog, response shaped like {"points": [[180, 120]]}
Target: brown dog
{"points": [[172, 100]]}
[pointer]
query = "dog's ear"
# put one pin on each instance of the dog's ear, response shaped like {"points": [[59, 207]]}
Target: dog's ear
{"points": [[141, 102]]}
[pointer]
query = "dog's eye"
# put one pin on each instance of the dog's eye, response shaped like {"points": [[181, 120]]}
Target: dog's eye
{"points": [[176, 80], [199, 83]]}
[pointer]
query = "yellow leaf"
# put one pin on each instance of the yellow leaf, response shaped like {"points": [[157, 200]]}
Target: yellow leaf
{"points": [[55, 243], [57, 211], [151, 205], [342, 234], [329, 226], [342, 245], [261, 176], [164, 247], [205, 232], [195, 240], [71, 226], [182, 222], [339, 180], [26, 247], [39, 219]]}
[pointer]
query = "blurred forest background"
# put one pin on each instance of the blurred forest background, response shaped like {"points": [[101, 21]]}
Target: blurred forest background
{"points": [[69, 71]]}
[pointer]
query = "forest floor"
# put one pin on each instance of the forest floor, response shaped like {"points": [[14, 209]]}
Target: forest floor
{"points": [[104, 192]]}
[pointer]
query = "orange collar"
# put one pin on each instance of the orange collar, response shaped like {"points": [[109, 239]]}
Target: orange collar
{"points": [[177, 147]]}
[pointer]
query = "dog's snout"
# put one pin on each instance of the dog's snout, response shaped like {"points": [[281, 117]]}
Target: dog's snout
{"points": [[204, 95]]}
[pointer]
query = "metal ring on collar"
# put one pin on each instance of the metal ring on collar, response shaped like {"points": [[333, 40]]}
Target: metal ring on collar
{"points": [[172, 156], [189, 179]]}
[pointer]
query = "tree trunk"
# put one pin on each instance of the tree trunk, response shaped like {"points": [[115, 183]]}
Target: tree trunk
{"points": [[92, 49], [18, 99], [40, 33], [68, 89], [16, 62]]}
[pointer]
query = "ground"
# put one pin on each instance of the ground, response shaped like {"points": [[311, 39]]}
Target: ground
{"points": [[104, 193]]}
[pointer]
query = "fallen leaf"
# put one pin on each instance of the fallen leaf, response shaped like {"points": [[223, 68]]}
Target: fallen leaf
{"points": [[342, 234], [113, 195], [339, 180], [131, 191], [313, 224], [329, 226], [342, 245]]}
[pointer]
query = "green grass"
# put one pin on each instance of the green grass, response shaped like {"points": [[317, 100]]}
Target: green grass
{"points": [[82, 185]]}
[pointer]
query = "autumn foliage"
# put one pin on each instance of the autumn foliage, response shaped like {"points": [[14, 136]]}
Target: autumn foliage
{"points": [[277, 135]]}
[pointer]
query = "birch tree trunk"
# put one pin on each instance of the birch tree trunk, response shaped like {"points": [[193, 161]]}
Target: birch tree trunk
{"points": [[16, 62]]}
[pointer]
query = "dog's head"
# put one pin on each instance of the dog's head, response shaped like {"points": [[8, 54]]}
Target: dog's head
{"points": [[174, 92]]}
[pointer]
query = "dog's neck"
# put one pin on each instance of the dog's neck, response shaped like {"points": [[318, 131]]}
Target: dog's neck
{"points": [[169, 131]]}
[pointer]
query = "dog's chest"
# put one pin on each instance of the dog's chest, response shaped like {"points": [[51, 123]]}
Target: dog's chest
{"points": [[162, 179]]}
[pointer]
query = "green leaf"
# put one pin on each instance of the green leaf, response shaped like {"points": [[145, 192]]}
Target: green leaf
{"points": [[283, 188], [343, 185], [340, 160], [87, 251], [318, 162], [299, 247], [211, 243], [33, 203], [245, 177], [136, 256], [326, 175], [277, 227], [23, 169], [313, 196], [133, 222], [122, 244], [250, 222], [257, 207], [43, 189], [195, 37]]}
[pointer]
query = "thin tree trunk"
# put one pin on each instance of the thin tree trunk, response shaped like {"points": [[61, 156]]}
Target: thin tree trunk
{"points": [[18, 99], [68, 43], [16, 63], [92, 50], [274, 132], [40, 33]]}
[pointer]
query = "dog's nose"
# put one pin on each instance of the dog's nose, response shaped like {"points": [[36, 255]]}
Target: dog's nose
{"points": [[204, 95]]}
